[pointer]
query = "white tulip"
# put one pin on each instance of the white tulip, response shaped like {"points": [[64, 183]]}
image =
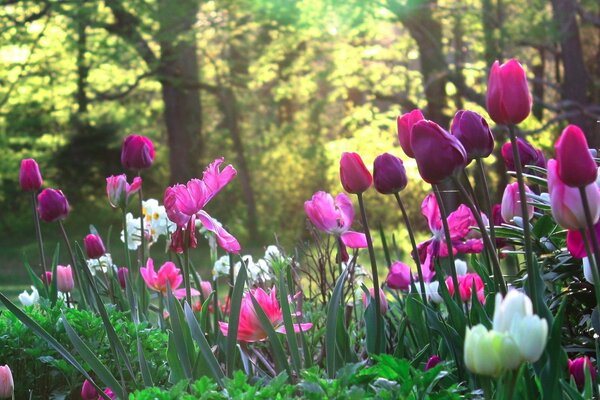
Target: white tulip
{"points": [[29, 299]]}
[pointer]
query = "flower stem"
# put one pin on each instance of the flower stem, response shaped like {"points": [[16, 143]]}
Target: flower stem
{"points": [[525, 214], [444, 218], [590, 225], [126, 244], [413, 242], [70, 250], [486, 200], [378, 318], [593, 267], [142, 231], [186, 266], [38, 233]]}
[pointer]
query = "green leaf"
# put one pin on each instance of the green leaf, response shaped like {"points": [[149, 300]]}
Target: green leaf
{"points": [[288, 323], [185, 353], [234, 317], [35, 279], [333, 361], [146, 375]]}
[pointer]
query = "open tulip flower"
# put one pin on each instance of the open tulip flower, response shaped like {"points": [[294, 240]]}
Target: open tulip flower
{"points": [[167, 276], [184, 202], [250, 328]]}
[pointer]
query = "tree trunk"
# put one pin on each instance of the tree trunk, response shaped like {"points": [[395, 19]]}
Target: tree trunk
{"points": [[179, 66]]}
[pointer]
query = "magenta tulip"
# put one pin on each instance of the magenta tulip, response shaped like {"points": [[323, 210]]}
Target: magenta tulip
{"points": [[439, 155], [7, 385], [399, 276], [94, 247], [576, 167], [567, 208], [137, 152], [577, 369], [354, 175], [389, 175], [527, 154], [511, 203], [52, 205], [508, 100], [30, 177], [88, 391], [168, 276], [123, 274], [64, 278], [119, 191], [46, 277], [432, 362], [473, 132], [405, 124], [383, 300]]}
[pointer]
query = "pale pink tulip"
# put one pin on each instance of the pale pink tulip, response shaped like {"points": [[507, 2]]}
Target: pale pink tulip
{"points": [[511, 203], [64, 278], [119, 192], [7, 385], [167, 276]]}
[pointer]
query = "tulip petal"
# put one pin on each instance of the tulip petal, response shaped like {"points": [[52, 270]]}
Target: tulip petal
{"points": [[224, 238], [354, 240]]}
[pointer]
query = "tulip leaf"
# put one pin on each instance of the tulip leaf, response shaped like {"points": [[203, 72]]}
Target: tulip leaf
{"points": [[288, 323], [37, 282], [176, 370], [53, 284], [90, 358], [205, 350], [146, 376], [181, 335], [333, 359], [234, 315], [42, 333], [370, 323]]}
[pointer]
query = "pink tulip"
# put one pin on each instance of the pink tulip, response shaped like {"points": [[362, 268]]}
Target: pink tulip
{"points": [[473, 132], [354, 175], [576, 167], [64, 278], [7, 385], [575, 243], [123, 274], [439, 155], [389, 174], [112, 395], [527, 154], [137, 152], [335, 218], [405, 124], [168, 276], [577, 369], [30, 177], [382, 299], [52, 205], [511, 203], [432, 362], [567, 208], [465, 287], [46, 277], [88, 391], [508, 100], [399, 276], [184, 202], [250, 329], [119, 191], [206, 288], [94, 247]]}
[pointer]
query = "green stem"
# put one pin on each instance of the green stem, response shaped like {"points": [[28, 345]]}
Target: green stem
{"points": [[487, 202], [378, 318], [70, 250], [525, 214], [413, 243], [126, 244], [38, 233], [593, 266], [142, 230], [590, 224], [186, 266]]}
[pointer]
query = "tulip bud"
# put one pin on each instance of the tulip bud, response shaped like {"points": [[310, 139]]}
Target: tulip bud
{"points": [[46, 277], [511, 203], [88, 391], [7, 386], [432, 362], [30, 177], [122, 274], [567, 207], [354, 175], [399, 277], [473, 132], [94, 246], [531, 335], [577, 369], [382, 299], [527, 154], [111, 395], [389, 175], [52, 205], [206, 288], [64, 276], [514, 306], [508, 100], [439, 155], [137, 152], [405, 124], [576, 167], [119, 191], [483, 351]]}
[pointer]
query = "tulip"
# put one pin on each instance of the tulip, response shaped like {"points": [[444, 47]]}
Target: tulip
{"points": [[389, 175], [405, 124], [137, 152], [29, 299], [484, 350], [576, 167], [52, 205], [567, 207], [473, 132], [511, 203], [527, 154], [508, 100], [111, 395], [88, 391], [206, 288], [168, 276], [30, 177], [432, 362], [354, 175], [119, 191], [577, 369], [94, 247], [383, 300], [64, 278], [439, 155], [399, 277], [7, 386], [250, 328], [123, 274], [575, 243], [46, 277]]}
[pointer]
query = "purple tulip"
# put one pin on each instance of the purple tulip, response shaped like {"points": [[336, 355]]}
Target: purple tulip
{"points": [[389, 175], [473, 132], [52, 205], [30, 177]]}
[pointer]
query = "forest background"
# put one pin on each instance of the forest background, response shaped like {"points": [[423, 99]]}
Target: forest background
{"points": [[278, 87]]}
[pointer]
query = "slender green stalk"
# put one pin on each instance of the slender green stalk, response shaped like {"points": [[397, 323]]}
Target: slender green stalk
{"points": [[525, 214], [593, 266], [70, 250], [491, 250], [444, 218], [38, 233], [590, 225], [487, 203], [142, 234], [413, 243], [126, 244], [377, 299], [186, 266]]}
